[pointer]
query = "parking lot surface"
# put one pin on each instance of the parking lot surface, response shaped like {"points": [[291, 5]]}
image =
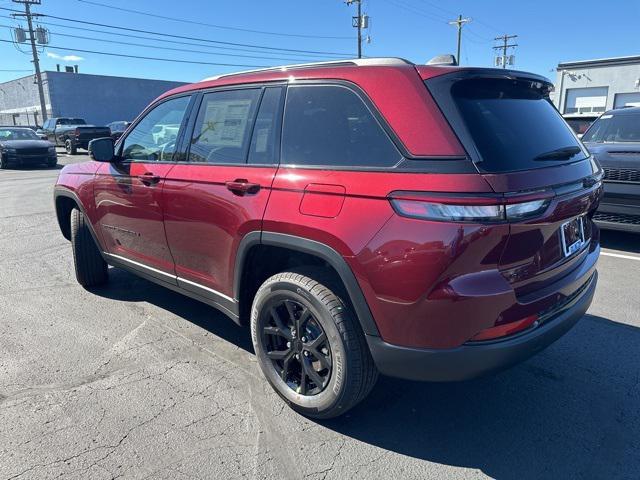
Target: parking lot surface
{"points": [[134, 381]]}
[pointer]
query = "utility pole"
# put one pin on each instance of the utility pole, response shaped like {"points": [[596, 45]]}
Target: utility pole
{"points": [[504, 60], [459, 23], [357, 23], [34, 51]]}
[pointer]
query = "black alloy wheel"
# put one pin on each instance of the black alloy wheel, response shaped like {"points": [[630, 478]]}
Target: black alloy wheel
{"points": [[297, 346]]}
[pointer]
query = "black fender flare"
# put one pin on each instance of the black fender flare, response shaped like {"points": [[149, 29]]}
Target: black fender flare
{"points": [[65, 192], [316, 249]]}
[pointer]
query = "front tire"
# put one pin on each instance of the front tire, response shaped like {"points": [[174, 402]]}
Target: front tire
{"points": [[91, 269], [309, 345], [4, 164], [70, 147]]}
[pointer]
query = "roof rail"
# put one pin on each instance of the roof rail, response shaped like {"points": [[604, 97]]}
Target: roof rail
{"points": [[355, 62]]}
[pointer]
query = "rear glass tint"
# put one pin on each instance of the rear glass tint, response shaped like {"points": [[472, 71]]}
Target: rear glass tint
{"points": [[614, 128], [513, 125]]}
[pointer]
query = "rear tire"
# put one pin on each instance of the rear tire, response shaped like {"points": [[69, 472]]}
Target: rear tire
{"points": [[91, 269], [70, 147], [4, 164], [310, 293]]}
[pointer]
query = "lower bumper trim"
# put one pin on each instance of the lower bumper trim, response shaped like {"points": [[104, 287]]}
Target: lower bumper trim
{"points": [[475, 360]]}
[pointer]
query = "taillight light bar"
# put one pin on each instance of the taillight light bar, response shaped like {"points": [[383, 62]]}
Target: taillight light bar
{"points": [[470, 208]]}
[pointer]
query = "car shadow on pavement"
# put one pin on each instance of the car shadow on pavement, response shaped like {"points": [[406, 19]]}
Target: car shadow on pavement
{"points": [[616, 240], [573, 411], [127, 287]]}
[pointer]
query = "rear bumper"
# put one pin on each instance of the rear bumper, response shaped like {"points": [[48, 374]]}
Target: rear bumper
{"points": [[477, 359]]}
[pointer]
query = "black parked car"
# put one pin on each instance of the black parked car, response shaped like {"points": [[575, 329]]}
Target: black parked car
{"points": [[118, 128], [614, 140], [21, 146]]}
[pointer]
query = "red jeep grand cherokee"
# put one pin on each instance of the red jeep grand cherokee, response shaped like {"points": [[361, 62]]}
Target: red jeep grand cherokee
{"points": [[424, 222]]}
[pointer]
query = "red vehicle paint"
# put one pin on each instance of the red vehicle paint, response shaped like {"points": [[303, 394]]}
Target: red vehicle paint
{"points": [[453, 263]]}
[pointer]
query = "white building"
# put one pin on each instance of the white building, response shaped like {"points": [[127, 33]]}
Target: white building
{"points": [[590, 87]]}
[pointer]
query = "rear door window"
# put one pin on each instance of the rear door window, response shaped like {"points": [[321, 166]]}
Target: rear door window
{"points": [[513, 125], [614, 128]]}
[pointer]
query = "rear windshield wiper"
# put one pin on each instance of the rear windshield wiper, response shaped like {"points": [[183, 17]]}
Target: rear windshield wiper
{"points": [[560, 153]]}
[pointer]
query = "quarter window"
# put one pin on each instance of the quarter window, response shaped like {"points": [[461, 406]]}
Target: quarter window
{"points": [[330, 125], [223, 127], [264, 143], [154, 138]]}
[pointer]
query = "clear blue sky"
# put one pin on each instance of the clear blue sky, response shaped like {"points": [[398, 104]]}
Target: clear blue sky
{"points": [[548, 32]]}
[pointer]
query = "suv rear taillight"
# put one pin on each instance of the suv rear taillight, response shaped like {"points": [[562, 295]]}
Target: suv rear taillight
{"points": [[470, 208]]}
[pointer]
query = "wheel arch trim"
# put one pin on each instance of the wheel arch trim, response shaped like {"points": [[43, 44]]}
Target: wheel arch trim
{"points": [[314, 248], [58, 192]]}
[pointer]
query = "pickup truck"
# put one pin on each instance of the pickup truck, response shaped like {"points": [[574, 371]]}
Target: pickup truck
{"points": [[71, 133]]}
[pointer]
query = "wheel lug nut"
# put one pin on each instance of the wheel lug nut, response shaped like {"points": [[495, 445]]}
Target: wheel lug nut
{"points": [[297, 357], [306, 354], [304, 339], [288, 344]]}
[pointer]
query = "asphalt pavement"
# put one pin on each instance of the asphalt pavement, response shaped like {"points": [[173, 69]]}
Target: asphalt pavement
{"points": [[131, 380]]}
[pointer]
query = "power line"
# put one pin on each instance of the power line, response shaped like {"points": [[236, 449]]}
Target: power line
{"points": [[81, 37], [219, 42], [224, 27], [175, 42], [411, 9], [173, 60]]}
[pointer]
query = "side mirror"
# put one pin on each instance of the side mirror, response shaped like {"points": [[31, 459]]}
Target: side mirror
{"points": [[102, 150]]}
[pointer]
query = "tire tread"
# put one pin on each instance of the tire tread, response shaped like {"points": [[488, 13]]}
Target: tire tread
{"points": [[90, 267]]}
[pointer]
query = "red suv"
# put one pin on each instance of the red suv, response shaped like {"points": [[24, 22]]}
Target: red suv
{"points": [[363, 217]]}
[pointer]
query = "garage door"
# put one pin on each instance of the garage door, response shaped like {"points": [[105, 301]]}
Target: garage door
{"points": [[627, 100], [586, 100]]}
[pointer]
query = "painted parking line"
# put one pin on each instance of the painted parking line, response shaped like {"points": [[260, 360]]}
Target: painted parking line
{"points": [[618, 255]]}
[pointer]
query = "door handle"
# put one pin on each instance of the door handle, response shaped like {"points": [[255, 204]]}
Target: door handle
{"points": [[149, 178], [241, 187]]}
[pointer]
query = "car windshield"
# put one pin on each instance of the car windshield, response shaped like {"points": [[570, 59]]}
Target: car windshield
{"points": [[71, 121], [614, 128], [514, 125], [17, 134]]}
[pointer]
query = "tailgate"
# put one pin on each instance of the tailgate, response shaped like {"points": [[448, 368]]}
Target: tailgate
{"points": [[528, 154]]}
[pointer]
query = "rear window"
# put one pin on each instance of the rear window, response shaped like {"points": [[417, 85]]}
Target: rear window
{"points": [[514, 125], [614, 128]]}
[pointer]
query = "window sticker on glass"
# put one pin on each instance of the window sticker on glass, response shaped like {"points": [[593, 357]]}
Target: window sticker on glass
{"points": [[225, 123]]}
